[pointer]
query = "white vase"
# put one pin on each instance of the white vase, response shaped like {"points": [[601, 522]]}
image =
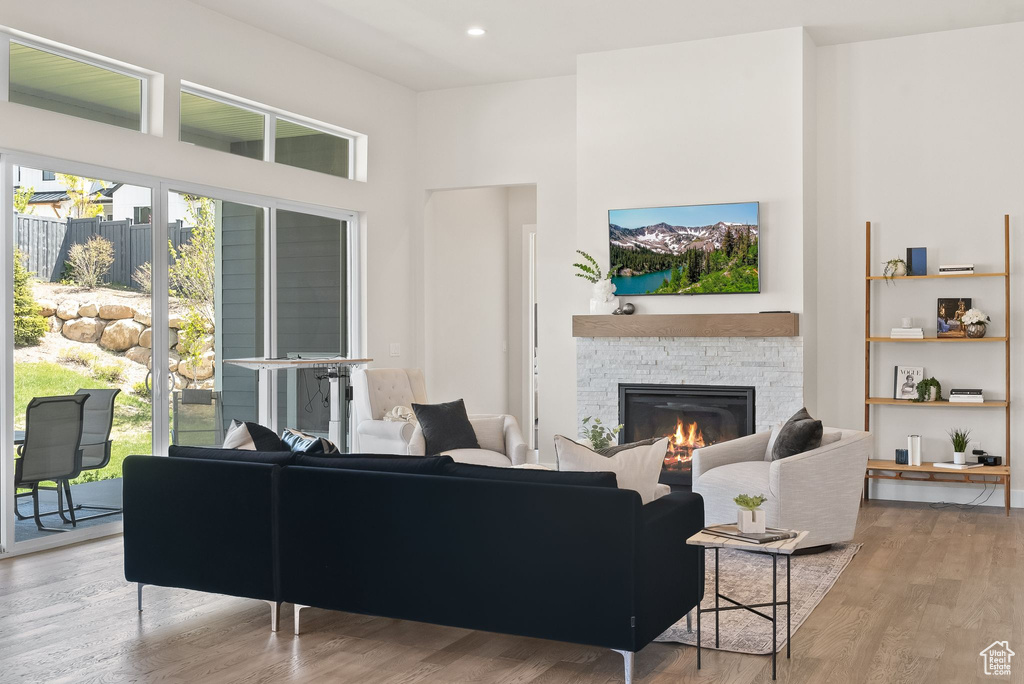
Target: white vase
{"points": [[960, 457], [750, 522], [900, 270], [603, 299]]}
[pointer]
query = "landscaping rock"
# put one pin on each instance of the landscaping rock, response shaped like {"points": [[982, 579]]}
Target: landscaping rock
{"points": [[175, 321], [144, 317], [90, 310], [146, 338], [180, 382], [172, 361], [139, 355], [55, 323], [115, 312], [83, 329], [121, 335], [202, 371], [68, 309], [172, 338], [47, 307]]}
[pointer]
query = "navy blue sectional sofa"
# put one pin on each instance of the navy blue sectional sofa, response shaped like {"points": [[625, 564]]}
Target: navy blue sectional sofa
{"points": [[564, 556]]}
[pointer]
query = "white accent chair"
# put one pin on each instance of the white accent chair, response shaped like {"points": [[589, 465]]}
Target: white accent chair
{"points": [[378, 390], [818, 490]]}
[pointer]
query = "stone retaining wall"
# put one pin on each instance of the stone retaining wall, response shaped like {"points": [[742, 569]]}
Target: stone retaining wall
{"points": [[125, 330]]}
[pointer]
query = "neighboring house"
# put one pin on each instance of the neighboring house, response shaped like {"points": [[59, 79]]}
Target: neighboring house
{"points": [[120, 202], [997, 657]]}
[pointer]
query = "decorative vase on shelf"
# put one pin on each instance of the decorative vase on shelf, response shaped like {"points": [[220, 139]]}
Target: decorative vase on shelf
{"points": [[933, 394], [603, 299], [750, 521], [975, 330], [959, 457]]}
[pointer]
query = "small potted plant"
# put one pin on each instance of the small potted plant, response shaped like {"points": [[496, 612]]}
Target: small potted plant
{"points": [[597, 435], [959, 438], [929, 389], [603, 299], [894, 268], [750, 517], [975, 322]]}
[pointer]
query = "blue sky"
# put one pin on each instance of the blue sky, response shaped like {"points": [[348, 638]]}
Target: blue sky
{"points": [[700, 215]]}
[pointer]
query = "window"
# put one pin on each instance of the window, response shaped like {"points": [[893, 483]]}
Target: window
{"points": [[142, 215], [308, 148], [47, 80], [221, 126], [49, 176]]}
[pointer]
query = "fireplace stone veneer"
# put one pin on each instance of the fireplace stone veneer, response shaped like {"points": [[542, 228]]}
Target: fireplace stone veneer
{"points": [[774, 366]]}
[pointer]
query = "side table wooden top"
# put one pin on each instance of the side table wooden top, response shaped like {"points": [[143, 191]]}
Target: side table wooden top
{"points": [[784, 546]]}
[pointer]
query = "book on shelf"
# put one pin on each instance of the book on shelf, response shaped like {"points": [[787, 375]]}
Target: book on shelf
{"points": [[966, 391], [967, 395], [770, 534], [956, 268], [907, 333], [957, 466]]}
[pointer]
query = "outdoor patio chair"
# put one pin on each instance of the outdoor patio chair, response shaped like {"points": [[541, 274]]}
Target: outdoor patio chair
{"points": [[98, 419], [51, 451], [197, 418]]}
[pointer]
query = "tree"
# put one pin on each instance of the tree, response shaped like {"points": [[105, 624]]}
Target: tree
{"points": [[192, 273], [29, 326], [22, 197], [81, 203]]}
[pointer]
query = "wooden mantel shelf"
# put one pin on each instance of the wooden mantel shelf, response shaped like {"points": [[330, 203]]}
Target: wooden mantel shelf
{"points": [[688, 325]]}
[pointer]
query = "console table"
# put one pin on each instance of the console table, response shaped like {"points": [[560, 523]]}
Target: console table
{"points": [[333, 366]]}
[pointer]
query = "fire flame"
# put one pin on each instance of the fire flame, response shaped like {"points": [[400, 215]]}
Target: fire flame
{"points": [[682, 442]]}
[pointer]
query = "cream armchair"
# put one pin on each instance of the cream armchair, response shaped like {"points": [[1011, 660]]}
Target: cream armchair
{"points": [[378, 390], [818, 490]]}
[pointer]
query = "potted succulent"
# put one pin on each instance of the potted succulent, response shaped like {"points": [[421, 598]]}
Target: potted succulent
{"points": [[595, 434], [750, 517], [603, 299], [894, 268], [975, 322], [929, 389], [959, 438]]}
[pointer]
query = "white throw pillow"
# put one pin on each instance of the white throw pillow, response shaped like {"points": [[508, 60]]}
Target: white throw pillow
{"points": [[490, 432], [830, 438], [771, 442], [400, 414], [238, 437], [637, 469], [530, 466]]}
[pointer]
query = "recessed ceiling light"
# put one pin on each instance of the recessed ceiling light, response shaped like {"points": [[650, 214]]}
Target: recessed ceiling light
{"points": [[476, 31]]}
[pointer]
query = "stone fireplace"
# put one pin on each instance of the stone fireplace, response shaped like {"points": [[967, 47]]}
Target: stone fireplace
{"points": [[709, 351], [691, 416]]}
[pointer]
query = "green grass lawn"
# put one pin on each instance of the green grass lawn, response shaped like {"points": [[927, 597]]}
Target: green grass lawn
{"points": [[132, 414]]}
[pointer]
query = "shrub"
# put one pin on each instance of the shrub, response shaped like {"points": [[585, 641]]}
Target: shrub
{"points": [[88, 263], [29, 326], [140, 389], [112, 373], [190, 339], [143, 277], [76, 357]]}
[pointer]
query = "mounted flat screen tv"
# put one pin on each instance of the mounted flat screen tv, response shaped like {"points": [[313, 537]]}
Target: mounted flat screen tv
{"points": [[695, 249]]}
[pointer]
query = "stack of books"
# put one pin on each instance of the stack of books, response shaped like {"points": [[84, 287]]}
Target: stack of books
{"points": [[965, 269], [957, 466], [907, 333], [975, 396]]}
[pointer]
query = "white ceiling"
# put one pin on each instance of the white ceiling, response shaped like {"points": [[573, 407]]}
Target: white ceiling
{"points": [[423, 43]]}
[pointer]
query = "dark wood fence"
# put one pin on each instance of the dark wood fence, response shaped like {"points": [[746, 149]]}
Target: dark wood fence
{"points": [[45, 243]]}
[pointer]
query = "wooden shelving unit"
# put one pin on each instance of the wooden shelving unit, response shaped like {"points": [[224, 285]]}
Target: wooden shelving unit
{"points": [[928, 472]]}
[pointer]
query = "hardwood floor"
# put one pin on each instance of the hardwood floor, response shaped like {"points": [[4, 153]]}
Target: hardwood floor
{"points": [[929, 590]]}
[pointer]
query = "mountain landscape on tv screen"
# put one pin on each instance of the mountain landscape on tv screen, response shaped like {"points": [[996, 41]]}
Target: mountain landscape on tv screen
{"points": [[663, 258]]}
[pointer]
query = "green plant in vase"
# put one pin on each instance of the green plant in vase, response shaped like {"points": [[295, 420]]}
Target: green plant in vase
{"points": [[959, 438], [929, 389], [894, 268], [750, 518], [600, 436]]}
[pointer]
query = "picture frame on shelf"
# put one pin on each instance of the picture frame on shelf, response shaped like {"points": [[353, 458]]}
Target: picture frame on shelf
{"points": [[904, 383], [949, 311]]}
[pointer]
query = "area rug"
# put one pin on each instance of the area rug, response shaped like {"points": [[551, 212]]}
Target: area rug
{"points": [[747, 578]]}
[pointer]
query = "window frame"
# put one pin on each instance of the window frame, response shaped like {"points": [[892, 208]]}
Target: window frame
{"points": [[67, 52], [271, 115]]}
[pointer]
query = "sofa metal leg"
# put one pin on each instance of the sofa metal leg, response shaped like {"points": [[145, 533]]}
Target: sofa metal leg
{"points": [[627, 658], [298, 610], [275, 615], [140, 585]]}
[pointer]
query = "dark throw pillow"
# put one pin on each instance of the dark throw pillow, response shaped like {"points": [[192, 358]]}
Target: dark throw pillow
{"points": [[800, 433], [301, 443], [446, 426], [616, 448], [253, 437]]}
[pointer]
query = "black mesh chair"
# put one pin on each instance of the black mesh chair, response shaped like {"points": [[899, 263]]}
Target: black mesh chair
{"points": [[51, 451], [197, 418], [97, 421]]}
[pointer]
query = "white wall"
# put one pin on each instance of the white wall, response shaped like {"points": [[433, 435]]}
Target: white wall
{"points": [[921, 136], [698, 123], [183, 41], [521, 133], [522, 220], [466, 298]]}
